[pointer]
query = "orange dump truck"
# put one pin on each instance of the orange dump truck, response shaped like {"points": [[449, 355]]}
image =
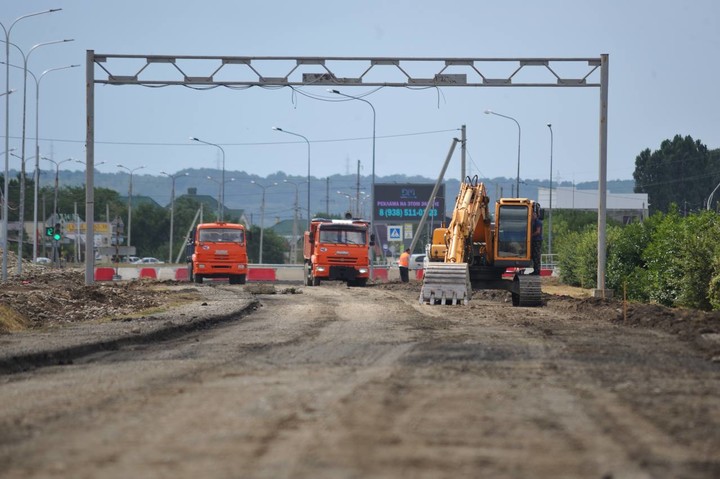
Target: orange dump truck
{"points": [[337, 250], [217, 250]]}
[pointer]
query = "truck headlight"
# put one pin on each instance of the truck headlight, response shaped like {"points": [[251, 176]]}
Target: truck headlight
{"points": [[320, 268], [363, 270]]}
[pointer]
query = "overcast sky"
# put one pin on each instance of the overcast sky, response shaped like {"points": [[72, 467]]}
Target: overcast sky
{"points": [[663, 81]]}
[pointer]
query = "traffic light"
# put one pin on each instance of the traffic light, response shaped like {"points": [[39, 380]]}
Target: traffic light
{"points": [[57, 232]]}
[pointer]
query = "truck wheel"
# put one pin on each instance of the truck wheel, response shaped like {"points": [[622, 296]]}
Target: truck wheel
{"points": [[190, 272], [315, 281], [360, 282], [308, 276], [198, 279]]}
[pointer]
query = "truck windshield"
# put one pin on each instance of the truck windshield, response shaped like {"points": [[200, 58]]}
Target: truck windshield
{"points": [[513, 231], [342, 236], [221, 235]]}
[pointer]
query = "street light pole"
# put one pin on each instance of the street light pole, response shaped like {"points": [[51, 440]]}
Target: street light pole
{"points": [[129, 228], [349, 197], [262, 216], [293, 249], [26, 58], [709, 200], [551, 188], [308, 168], [517, 180], [172, 210], [36, 176], [37, 153], [372, 187], [6, 185], [222, 185]]}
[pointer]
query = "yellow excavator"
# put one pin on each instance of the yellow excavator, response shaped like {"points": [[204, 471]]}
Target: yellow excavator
{"points": [[475, 252]]}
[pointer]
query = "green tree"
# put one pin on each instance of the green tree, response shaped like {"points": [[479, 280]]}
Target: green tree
{"points": [[682, 171], [150, 230], [274, 246]]}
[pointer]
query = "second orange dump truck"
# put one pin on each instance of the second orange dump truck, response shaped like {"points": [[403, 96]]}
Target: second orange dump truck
{"points": [[337, 250]]}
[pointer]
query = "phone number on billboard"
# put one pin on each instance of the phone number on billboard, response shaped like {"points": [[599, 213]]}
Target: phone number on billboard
{"points": [[405, 212]]}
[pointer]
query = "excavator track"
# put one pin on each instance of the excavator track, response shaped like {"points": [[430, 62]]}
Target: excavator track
{"points": [[527, 290], [446, 283]]}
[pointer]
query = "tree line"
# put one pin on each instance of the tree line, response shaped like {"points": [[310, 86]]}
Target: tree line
{"points": [[150, 222]]}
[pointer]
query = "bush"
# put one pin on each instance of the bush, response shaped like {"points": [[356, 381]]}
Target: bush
{"points": [[698, 250], [625, 265], [661, 259], [578, 259]]}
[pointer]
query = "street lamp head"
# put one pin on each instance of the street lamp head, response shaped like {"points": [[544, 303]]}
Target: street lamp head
{"points": [[488, 112], [333, 91], [192, 138], [277, 128], [549, 125]]}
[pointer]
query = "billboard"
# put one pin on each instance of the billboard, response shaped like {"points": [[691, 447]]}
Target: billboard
{"points": [[406, 203]]}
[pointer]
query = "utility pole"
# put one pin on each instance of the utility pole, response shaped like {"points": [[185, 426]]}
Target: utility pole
{"points": [[357, 195]]}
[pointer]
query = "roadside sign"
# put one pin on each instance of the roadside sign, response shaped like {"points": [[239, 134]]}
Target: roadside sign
{"points": [[394, 233], [408, 230]]}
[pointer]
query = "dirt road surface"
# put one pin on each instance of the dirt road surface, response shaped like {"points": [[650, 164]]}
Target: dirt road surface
{"points": [[338, 382]]}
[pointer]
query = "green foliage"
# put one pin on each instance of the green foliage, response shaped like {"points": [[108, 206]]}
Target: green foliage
{"points": [[697, 252], [625, 264], [274, 246], [150, 230], [661, 256], [714, 288], [682, 171], [578, 258]]}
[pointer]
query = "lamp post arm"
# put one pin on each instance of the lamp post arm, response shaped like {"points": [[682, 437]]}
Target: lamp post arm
{"points": [[709, 200]]}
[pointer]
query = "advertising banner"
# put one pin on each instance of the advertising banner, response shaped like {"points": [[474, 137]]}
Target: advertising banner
{"points": [[405, 203]]}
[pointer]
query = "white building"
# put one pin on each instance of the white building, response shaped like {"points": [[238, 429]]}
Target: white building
{"points": [[622, 207]]}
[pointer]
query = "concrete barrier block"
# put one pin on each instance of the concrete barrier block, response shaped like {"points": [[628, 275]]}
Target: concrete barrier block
{"points": [[380, 273], [261, 274], [181, 274], [104, 274], [150, 273]]}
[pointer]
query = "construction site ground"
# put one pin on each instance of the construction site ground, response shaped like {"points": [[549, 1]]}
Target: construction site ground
{"points": [[172, 379]]}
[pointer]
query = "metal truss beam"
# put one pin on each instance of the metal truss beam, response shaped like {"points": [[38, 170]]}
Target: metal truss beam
{"points": [[337, 71]]}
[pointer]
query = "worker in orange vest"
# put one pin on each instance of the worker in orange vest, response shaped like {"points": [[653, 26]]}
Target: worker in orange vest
{"points": [[403, 263]]}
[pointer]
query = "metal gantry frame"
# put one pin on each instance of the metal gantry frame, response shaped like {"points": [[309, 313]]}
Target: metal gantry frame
{"points": [[239, 72]]}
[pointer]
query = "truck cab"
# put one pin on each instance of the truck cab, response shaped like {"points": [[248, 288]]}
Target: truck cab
{"points": [[337, 250]]}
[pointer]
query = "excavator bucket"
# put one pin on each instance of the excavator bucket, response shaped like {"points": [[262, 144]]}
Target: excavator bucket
{"points": [[446, 283]]}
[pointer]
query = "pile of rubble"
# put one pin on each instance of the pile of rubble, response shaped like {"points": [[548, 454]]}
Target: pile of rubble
{"points": [[44, 296]]}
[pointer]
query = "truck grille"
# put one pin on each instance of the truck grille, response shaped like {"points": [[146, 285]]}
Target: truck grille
{"points": [[341, 260]]}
